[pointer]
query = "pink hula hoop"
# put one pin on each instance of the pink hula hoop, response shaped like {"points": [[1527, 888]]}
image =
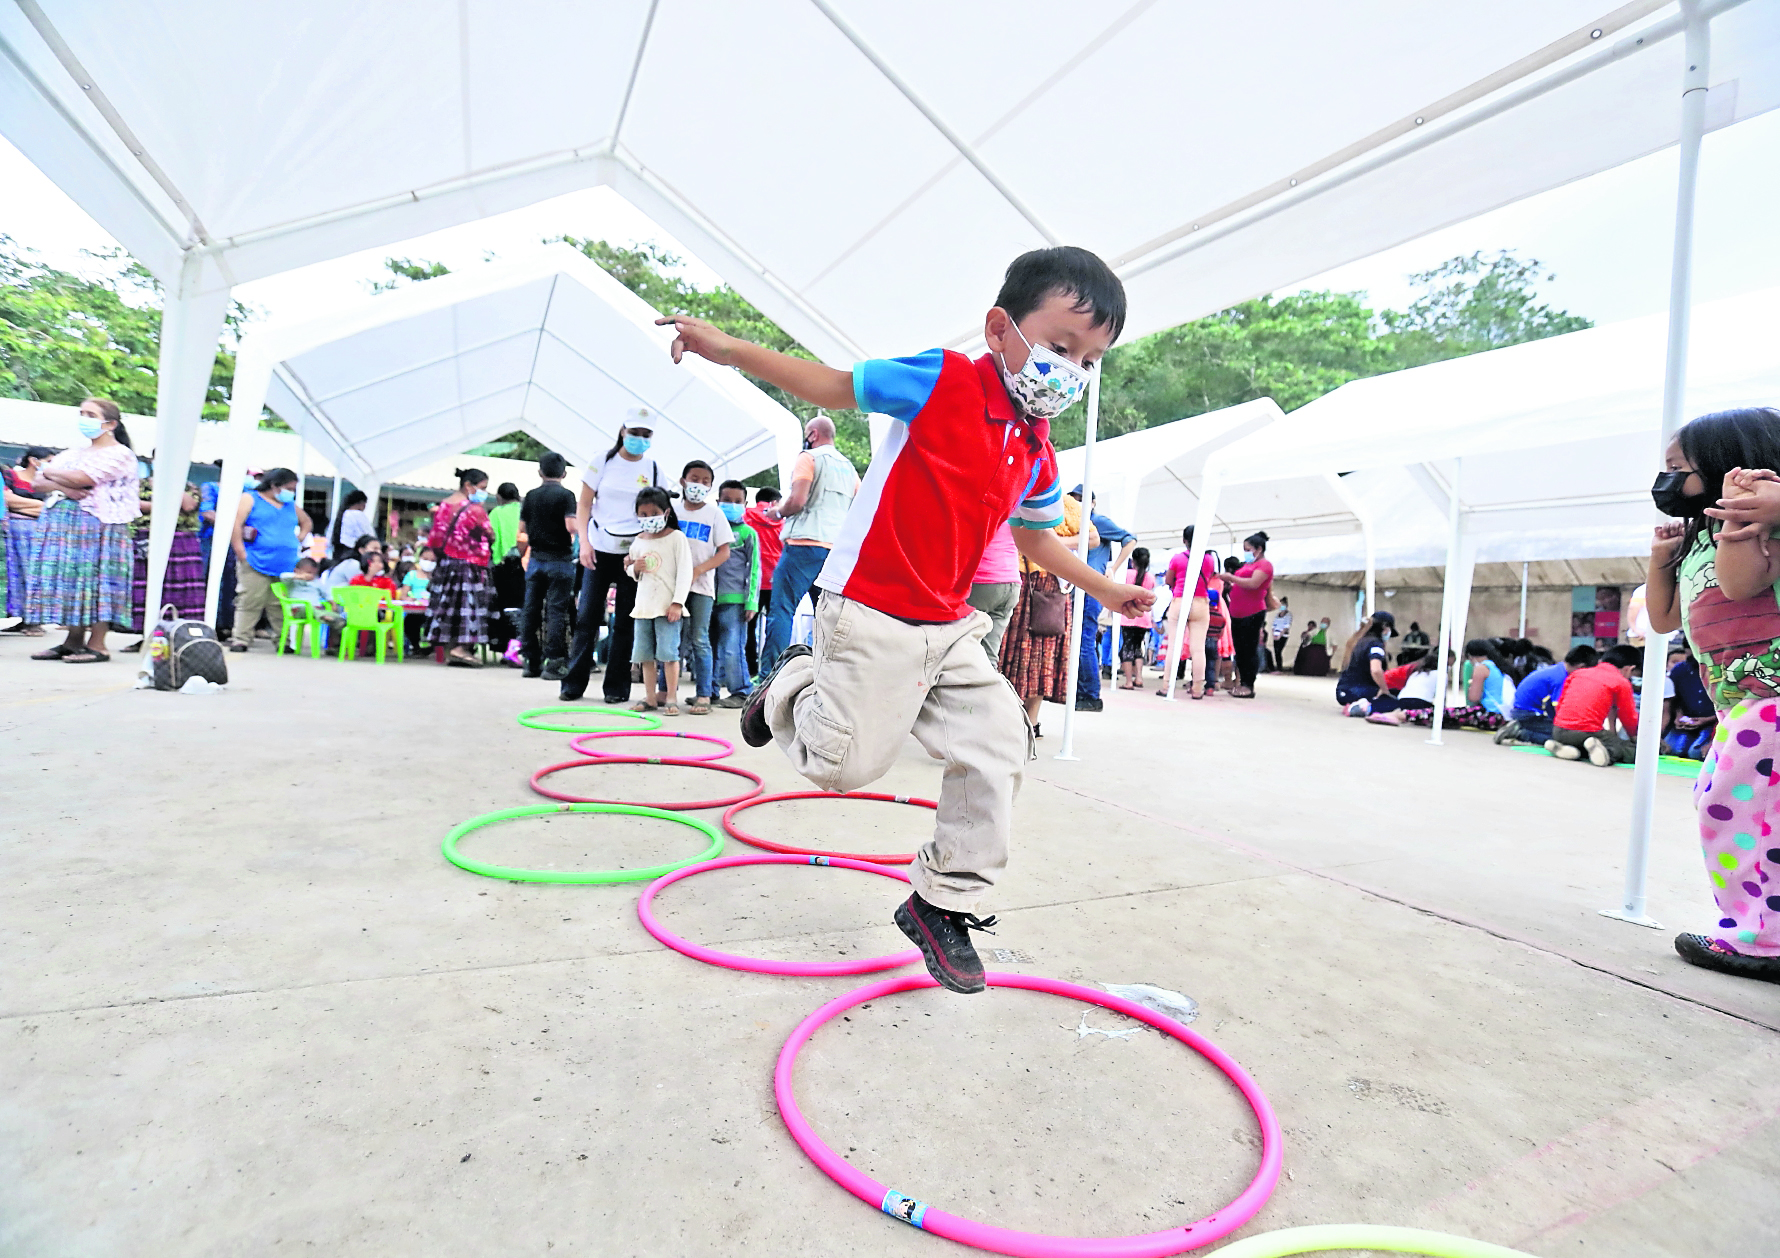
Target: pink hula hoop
{"points": [[805, 969], [575, 742], [785, 849], [693, 806], [1001, 1240]]}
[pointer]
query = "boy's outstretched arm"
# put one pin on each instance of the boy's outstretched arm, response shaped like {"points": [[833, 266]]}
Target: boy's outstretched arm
{"points": [[815, 382], [1046, 549]]}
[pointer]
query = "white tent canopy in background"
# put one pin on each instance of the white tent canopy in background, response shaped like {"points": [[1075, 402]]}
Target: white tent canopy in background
{"points": [[1234, 148], [551, 345]]}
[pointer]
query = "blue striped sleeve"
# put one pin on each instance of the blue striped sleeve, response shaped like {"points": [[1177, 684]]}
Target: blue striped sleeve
{"points": [[1042, 507], [897, 387]]}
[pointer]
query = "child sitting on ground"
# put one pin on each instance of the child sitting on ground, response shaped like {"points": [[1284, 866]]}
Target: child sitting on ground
{"points": [[300, 587], [898, 646], [1536, 698], [660, 562], [1592, 696]]}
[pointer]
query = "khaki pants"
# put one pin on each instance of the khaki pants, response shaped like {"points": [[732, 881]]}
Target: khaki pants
{"points": [[996, 600], [1623, 750], [841, 713], [253, 595]]}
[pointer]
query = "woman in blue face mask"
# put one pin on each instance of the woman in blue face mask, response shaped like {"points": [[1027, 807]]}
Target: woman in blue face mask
{"points": [[269, 526], [81, 576], [460, 590]]}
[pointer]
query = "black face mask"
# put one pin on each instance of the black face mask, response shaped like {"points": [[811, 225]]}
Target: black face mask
{"points": [[1666, 493]]}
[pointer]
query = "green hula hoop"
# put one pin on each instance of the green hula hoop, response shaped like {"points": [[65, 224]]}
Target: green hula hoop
{"points": [[529, 719], [588, 876], [1345, 1236]]}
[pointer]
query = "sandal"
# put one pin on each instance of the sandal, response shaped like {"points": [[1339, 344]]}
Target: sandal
{"points": [[57, 651], [86, 655], [672, 709], [700, 706], [24, 630], [462, 661], [644, 706]]}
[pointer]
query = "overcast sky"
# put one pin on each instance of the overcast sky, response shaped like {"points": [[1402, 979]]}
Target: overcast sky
{"points": [[1606, 239]]}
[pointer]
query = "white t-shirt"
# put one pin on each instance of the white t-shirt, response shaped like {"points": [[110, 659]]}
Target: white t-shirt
{"points": [[615, 483], [354, 524], [1422, 684], [706, 529]]}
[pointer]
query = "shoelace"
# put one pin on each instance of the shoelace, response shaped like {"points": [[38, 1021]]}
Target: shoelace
{"points": [[970, 921]]}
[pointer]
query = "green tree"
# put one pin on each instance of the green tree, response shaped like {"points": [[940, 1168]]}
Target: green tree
{"points": [[649, 273], [65, 337], [1474, 304], [406, 269]]}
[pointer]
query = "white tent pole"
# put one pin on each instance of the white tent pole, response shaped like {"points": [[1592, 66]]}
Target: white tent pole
{"points": [[1650, 699], [1371, 568], [302, 470], [1078, 600], [190, 326], [1210, 484], [1443, 639], [1522, 632], [247, 397]]}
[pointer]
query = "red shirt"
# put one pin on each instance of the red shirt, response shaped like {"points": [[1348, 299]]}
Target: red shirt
{"points": [[1591, 694], [961, 461], [770, 544], [379, 583]]}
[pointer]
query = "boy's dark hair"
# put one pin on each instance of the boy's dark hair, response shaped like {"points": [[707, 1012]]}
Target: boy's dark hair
{"points": [[552, 465], [1032, 278], [305, 559], [1583, 657], [1625, 655], [696, 463], [734, 484], [766, 493], [658, 496], [508, 492], [1716, 443], [1232, 564]]}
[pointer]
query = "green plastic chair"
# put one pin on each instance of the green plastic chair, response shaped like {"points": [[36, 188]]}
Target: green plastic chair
{"points": [[299, 621], [368, 610]]}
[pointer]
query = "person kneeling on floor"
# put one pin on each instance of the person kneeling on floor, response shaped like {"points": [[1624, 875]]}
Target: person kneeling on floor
{"points": [[1591, 698], [1537, 696]]}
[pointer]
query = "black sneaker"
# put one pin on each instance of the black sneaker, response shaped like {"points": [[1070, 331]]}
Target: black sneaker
{"points": [[1084, 704], [755, 731], [555, 670], [533, 674], [1709, 954], [1510, 730], [943, 938]]}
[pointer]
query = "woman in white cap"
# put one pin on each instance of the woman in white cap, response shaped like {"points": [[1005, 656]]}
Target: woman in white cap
{"points": [[607, 523]]}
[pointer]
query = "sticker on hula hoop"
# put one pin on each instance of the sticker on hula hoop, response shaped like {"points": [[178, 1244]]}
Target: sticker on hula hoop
{"points": [[575, 743], [1001, 1240], [691, 806], [529, 719], [804, 969], [1345, 1236], [571, 876], [785, 849]]}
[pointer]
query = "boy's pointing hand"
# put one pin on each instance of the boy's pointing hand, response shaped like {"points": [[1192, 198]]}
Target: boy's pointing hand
{"points": [[698, 337]]}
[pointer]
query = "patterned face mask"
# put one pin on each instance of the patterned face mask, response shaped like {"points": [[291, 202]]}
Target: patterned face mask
{"points": [[653, 523], [1047, 385]]}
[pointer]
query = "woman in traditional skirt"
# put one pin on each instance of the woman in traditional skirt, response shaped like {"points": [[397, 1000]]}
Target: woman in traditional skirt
{"points": [[24, 506], [81, 579], [1038, 666], [459, 593], [183, 583]]}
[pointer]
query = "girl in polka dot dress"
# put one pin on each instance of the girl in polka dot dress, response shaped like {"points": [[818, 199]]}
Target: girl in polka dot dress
{"points": [[1715, 576]]}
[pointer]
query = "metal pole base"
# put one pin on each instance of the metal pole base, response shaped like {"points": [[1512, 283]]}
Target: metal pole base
{"points": [[1064, 755], [1435, 741], [1636, 919]]}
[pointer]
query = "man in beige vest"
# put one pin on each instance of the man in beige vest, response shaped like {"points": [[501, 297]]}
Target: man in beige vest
{"points": [[823, 483]]}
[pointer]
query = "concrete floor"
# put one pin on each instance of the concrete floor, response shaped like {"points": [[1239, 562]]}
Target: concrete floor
{"points": [[248, 1008]]}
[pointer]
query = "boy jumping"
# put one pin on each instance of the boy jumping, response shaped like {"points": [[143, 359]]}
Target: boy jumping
{"points": [[897, 646]]}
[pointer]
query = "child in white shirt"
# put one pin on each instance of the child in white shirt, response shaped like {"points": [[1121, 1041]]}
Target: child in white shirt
{"points": [[660, 562]]}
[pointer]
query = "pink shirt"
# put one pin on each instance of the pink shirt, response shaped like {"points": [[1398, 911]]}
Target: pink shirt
{"points": [[115, 497], [1251, 602], [1177, 573], [1001, 560], [1149, 583]]}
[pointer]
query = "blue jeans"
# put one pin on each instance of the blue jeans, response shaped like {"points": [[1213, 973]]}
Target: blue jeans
{"points": [[799, 566], [730, 629], [549, 610], [1087, 679], [696, 629], [1535, 727]]}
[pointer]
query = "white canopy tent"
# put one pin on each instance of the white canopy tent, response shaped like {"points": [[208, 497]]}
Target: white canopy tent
{"points": [[1377, 124], [551, 345], [1541, 450]]}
